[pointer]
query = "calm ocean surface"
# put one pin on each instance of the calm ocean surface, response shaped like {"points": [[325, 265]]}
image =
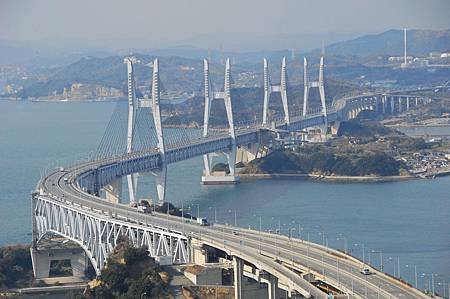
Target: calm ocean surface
{"points": [[409, 220]]}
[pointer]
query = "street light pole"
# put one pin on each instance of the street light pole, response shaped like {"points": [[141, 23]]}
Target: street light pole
{"points": [[363, 252], [260, 228], [393, 263], [182, 215], [415, 275], [381, 260], [432, 284], [279, 226]]}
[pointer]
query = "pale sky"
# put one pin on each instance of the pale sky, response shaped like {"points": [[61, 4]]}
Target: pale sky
{"points": [[171, 22]]}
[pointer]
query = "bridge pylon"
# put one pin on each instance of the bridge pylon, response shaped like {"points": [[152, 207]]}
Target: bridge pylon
{"points": [[113, 191], [281, 88], [314, 84], [132, 110], [210, 96], [161, 173]]}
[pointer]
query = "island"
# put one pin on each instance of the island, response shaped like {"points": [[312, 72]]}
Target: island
{"points": [[363, 150]]}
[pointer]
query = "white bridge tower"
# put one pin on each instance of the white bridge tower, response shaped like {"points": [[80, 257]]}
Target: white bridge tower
{"points": [[133, 105], [210, 95], [161, 174], [316, 84], [132, 108], [269, 88]]}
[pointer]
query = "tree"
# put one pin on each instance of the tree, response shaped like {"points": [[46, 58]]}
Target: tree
{"points": [[114, 276]]}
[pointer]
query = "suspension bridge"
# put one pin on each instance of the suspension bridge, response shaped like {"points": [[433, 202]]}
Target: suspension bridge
{"points": [[83, 203]]}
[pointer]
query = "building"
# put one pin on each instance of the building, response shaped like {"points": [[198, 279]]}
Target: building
{"points": [[91, 91]]}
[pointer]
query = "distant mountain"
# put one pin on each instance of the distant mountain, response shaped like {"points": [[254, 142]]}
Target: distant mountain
{"points": [[419, 43], [179, 75], [35, 55]]}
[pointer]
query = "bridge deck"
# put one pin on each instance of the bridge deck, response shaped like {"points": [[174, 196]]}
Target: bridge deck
{"points": [[275, 254]]}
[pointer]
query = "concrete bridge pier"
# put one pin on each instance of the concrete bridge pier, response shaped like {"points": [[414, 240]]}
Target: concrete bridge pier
{"points": [[272, 287], [248, 153], [383, 104], [400, 104], [417, 100], [238, 268], [335, 127], [407, 103], [392, 105], [113, 191], [42, 259]]}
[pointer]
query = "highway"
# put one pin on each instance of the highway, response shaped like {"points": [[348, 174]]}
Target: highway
{"points": [[271, 252], [278, 255]]}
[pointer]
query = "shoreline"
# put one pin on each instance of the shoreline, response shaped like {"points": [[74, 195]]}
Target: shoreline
{"points": [[418, 126], [324, 178]]}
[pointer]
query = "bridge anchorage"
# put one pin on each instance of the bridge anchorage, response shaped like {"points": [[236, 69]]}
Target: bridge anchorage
{"points": [[67, 203]]}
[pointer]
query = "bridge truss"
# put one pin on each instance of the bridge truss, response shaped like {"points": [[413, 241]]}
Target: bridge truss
{"points": [[99, 234]]}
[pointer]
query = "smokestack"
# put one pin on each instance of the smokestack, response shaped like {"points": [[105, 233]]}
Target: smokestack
{"points": [[323, 48], [404, 40]]}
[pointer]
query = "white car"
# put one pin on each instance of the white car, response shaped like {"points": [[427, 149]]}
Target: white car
{"points": [[365, 271]]}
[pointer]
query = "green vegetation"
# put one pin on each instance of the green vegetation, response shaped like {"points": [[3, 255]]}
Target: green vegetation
{"points": [[319, 160], [362, 149], [354, 128], [15, 267], [129, 273]]}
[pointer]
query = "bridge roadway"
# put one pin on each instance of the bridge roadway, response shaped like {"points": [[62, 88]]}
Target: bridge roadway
{"points": [[270, 252], [105, 173]]}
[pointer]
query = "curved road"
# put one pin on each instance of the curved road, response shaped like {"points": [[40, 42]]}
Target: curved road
{"points": [[272, 252], [278, 255]]}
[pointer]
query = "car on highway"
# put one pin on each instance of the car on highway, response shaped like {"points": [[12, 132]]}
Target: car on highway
{"points": [[365, 271], [202, 221], [144, 209]]}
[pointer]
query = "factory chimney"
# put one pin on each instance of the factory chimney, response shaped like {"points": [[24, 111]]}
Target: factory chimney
{"points": [[404, 40]]}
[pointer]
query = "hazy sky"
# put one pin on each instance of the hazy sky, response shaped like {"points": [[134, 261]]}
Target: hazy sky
{"points": [[169, 22]]}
